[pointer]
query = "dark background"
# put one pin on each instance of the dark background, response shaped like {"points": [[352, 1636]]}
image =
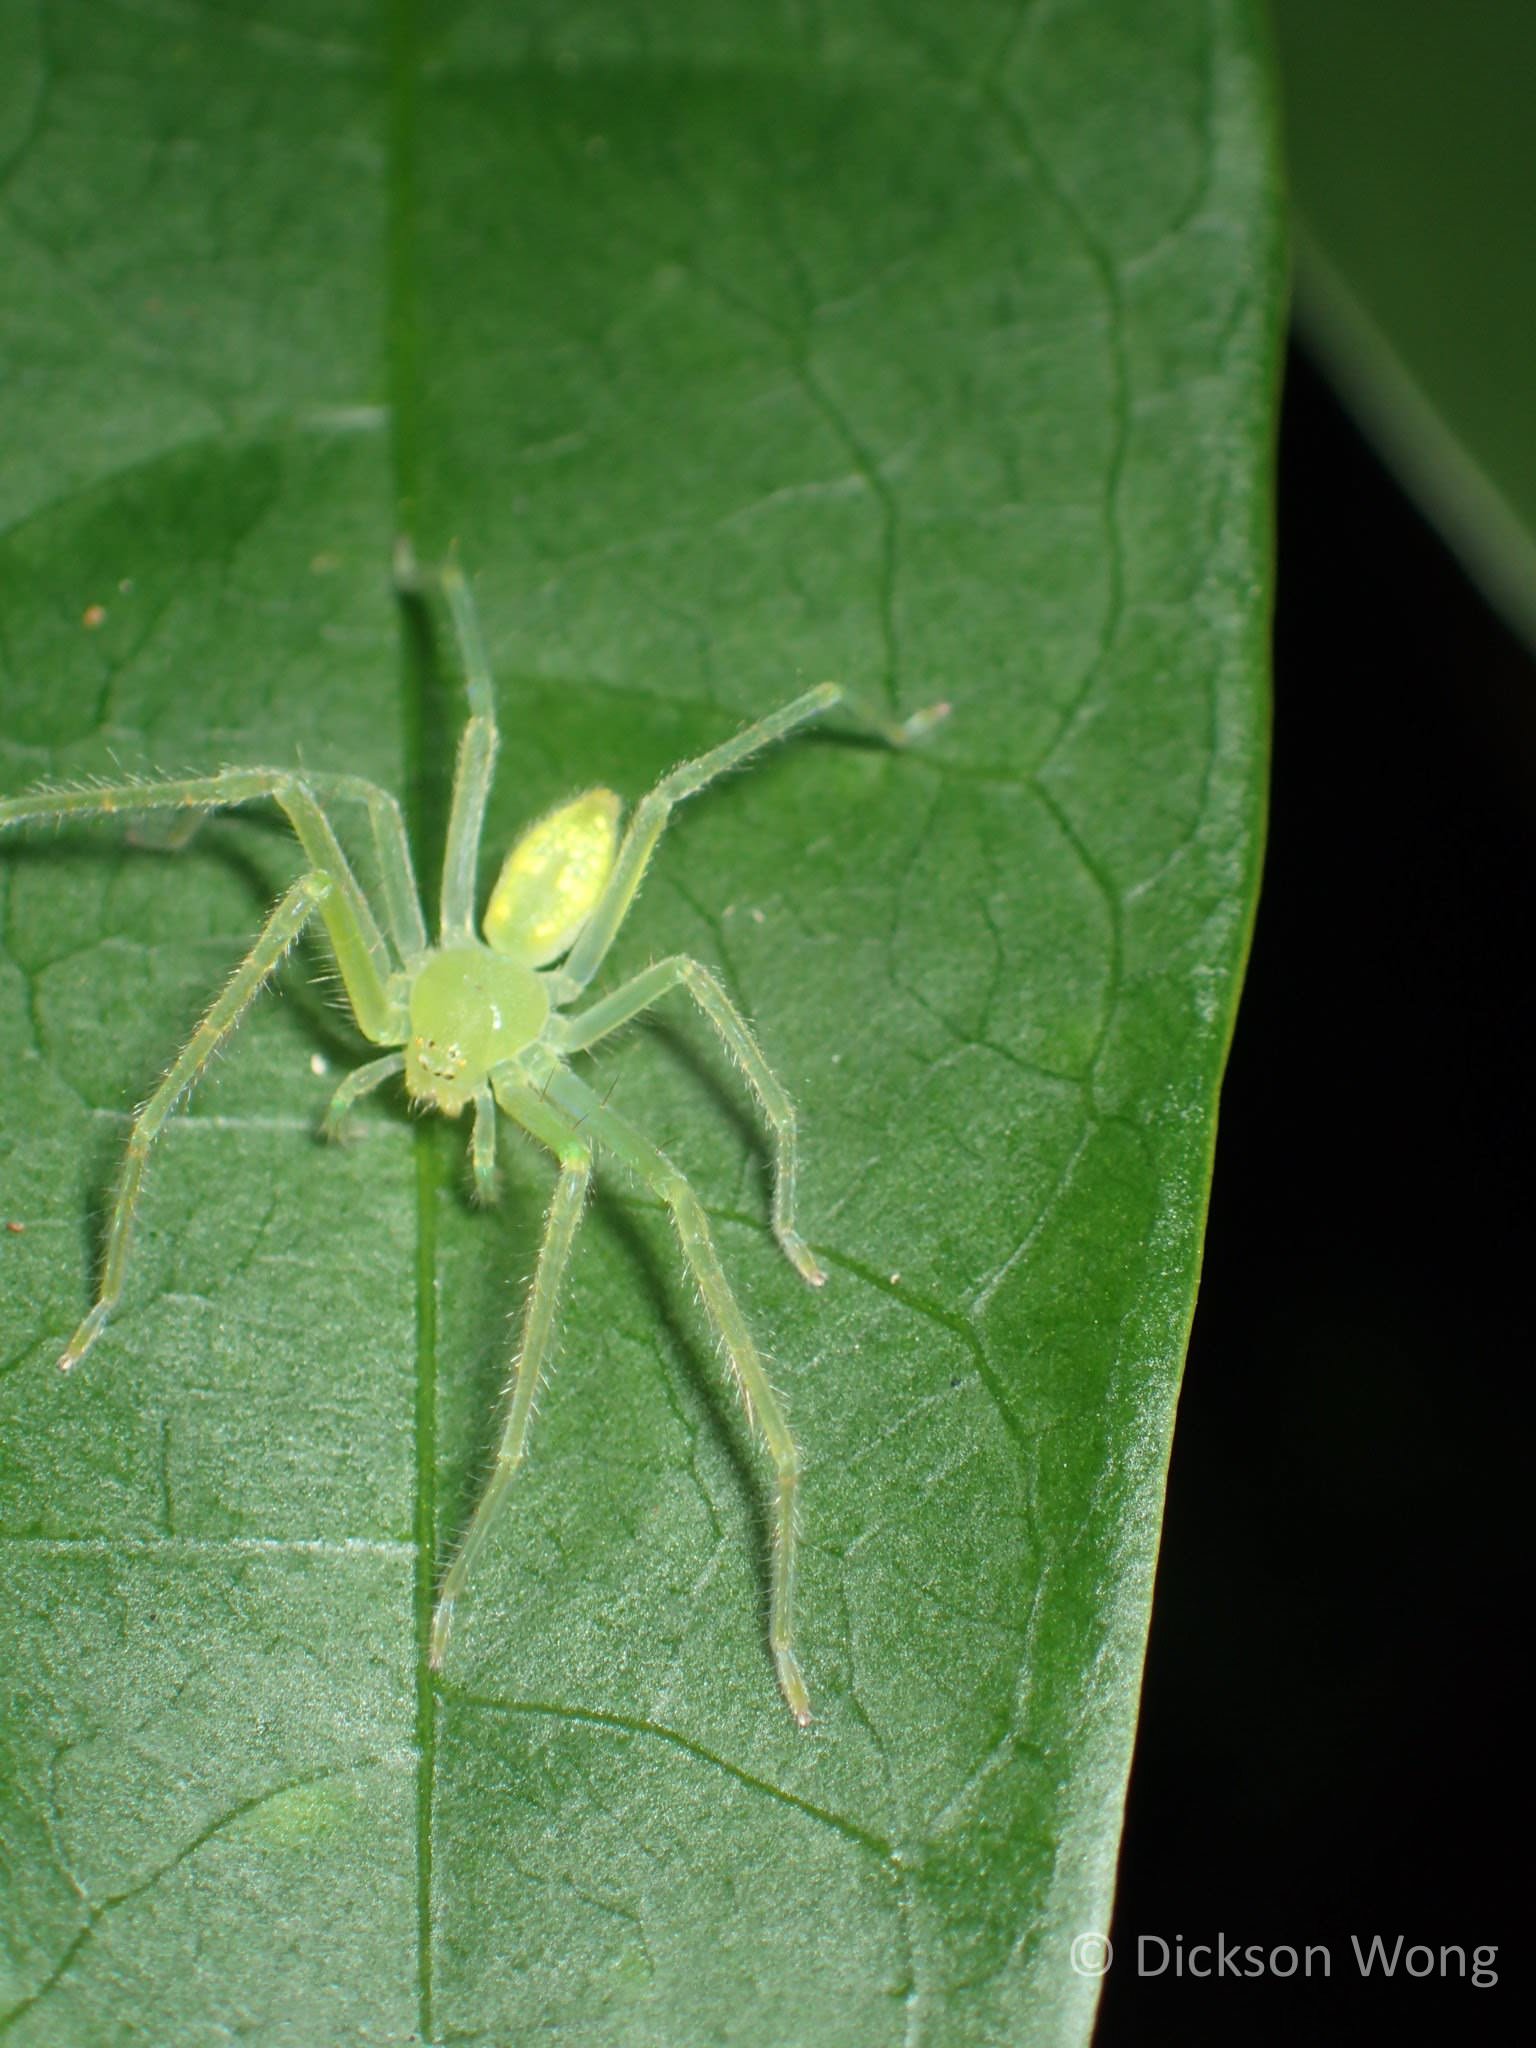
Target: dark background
{"points": [[1329, 1725]]}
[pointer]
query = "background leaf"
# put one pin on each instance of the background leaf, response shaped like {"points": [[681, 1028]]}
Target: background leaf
{"points": [[737, 349], [1409, 142]]}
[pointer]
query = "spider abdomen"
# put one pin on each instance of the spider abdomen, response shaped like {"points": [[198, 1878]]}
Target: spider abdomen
{"points": [[471, 1009]]}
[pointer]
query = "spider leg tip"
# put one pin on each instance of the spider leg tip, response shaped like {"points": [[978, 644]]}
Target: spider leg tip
{"points": [[792, 1685], [921, 723], [82, 1340], [802, 1258], [442, 1623]]}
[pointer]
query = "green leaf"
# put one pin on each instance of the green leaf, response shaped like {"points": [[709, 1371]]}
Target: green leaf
{"points": [[1409, 136], [737, 347]]}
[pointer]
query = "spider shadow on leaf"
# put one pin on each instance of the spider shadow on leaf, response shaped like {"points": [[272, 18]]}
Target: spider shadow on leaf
{"points": [[682, 1350], [686, 1338], [709, 1076]]}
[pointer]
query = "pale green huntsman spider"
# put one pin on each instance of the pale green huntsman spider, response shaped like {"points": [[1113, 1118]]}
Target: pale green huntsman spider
{"points": [[483, 1023]]}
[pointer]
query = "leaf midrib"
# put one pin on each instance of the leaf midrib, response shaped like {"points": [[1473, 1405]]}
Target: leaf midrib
{"points": [[403, 386]]}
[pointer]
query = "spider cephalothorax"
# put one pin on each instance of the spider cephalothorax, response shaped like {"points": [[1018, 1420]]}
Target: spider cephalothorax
{"points": [[471, 1012], [482, 1023]]}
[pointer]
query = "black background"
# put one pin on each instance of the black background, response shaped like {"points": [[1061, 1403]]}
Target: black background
{"points": [[1330, 1715]]}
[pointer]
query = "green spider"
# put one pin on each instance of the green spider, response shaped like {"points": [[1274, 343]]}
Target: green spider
{"points": [[482, 1024]]}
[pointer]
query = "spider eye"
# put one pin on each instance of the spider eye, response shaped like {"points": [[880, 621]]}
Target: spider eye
{"points": [[550, 882]]}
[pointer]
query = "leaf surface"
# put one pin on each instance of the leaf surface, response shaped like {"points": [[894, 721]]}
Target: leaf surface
{"points": [[736, 348]]}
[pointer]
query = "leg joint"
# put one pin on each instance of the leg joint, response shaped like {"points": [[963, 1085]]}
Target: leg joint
{"points": [[696, 975], [679, 1196], [314, 887]]}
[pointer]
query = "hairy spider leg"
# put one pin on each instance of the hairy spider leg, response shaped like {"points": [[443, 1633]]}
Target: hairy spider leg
{"points": [[587, 1113], [687, 779], [362, 1081], [482, 1144], [392, 853], [475, 764], [366, 968], [524, 1105], [414, 579], [649, 822], [465, 614], [577, 1034], [282, 928]]}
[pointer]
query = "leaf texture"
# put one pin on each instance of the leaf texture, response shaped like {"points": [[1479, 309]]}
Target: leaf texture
{"points": [[736, 347]]}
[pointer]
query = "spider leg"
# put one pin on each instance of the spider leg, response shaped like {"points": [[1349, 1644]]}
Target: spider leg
{"points": [[361, 953], [309, 894], [576, 1034], [482, 1145], [650, 819], [392, 851], [763, 1406], [575, 1156], [476, 760], [355, 1087], [652, 811]]}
